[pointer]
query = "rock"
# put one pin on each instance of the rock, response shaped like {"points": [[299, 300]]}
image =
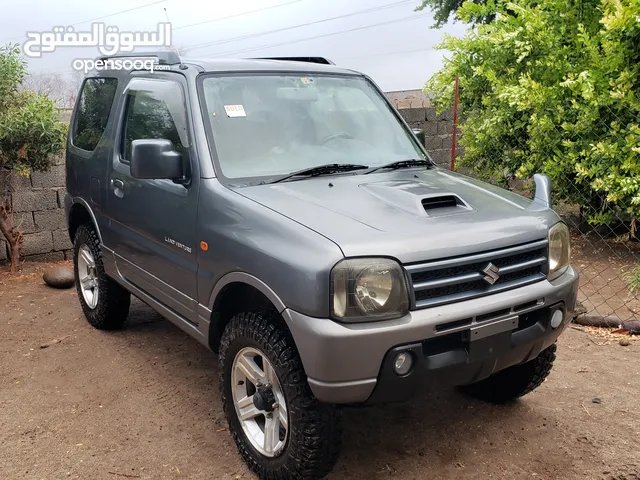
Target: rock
{"points": [[624, 342], [632, 326], [596, 400], [59, 277], [610, 321]]}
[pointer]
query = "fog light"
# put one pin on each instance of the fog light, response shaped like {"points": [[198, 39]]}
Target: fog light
{"points": [[403, 363], [556, 319]]}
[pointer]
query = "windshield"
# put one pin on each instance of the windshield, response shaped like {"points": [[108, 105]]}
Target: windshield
{"points": [[272, 125]]}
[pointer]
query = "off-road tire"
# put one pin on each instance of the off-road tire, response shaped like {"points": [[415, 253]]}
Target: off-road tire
{"points": [[314, 437], [516, 381], [113, 304]]}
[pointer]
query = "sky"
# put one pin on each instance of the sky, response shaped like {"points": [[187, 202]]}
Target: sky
{"points": [[386, 39]]}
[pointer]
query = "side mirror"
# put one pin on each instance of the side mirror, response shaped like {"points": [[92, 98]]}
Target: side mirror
{"points": [[155, 159], [420, 134]]}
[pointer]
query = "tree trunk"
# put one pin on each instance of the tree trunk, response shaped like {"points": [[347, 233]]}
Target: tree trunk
{"points": [[8, 229]]}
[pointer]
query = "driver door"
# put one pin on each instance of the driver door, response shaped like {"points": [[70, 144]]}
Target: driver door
{"points": [[153, 222]]}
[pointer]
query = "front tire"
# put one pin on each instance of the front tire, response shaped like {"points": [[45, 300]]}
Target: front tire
{"points": [[514, 382], [284, 432], [105, 303]]}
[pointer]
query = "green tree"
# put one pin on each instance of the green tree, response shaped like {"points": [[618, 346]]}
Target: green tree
{"points": [[443, 10], [30, 132], [552, 87]]}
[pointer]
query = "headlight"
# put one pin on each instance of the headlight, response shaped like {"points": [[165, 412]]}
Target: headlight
{"points": [[559, 250], [367, 289]]}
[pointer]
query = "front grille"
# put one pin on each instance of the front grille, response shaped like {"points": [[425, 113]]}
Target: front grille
{"points": [[461, 278]]}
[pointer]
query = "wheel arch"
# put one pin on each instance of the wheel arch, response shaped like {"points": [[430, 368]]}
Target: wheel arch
{"points": [[236, 292], [80, 213]]}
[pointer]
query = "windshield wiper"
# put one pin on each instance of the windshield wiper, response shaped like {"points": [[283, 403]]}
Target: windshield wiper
{"points": [[414, 162], [322, 170]]}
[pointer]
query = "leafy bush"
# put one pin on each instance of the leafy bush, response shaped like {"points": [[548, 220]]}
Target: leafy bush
{"points": [[552, 87], [633, 280], [30, 132]]}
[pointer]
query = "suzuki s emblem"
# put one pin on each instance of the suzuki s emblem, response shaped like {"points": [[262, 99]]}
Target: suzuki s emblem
{"points": [[491, 274]]}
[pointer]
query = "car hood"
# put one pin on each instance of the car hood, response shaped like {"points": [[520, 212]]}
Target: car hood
{"points": [[385, 214]]}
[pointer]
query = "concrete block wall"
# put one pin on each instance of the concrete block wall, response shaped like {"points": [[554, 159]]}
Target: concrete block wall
{"points": [[438, 131], [38, 212]]}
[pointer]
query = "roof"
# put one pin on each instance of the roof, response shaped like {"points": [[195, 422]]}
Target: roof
{"points": [[248, 64], [173, 61]]}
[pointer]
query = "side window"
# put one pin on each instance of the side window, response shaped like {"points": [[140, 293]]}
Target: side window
{"points": [[155, 109], [92, 112]]}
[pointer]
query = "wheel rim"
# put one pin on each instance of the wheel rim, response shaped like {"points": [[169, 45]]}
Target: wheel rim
{"points": [[255, 386], [88, 276]]}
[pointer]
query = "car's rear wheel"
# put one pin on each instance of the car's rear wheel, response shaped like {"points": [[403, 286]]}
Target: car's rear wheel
{"points": [[516, 381], [281, 430], [105, 303]]}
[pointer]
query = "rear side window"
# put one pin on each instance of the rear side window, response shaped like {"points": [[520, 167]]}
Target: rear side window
{"points": [[92, 112]]}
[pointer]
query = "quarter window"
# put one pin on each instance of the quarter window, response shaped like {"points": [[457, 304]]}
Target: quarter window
{"points": [[92, 112]]}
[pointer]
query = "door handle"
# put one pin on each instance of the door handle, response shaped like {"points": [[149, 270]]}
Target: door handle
{"points": [[118, 187]]}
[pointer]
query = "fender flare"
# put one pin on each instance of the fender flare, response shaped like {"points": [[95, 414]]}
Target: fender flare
{"points": [[83, 202], [255, 282]]}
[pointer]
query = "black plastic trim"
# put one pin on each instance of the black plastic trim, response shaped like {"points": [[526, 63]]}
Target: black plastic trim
{"points": [[453, 360]]}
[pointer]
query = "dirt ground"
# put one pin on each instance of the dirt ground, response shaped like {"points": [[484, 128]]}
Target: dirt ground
{"points": [[143, 403]]}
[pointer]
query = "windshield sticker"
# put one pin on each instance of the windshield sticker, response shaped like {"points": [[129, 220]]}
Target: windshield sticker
{"points": [[306, 80], [235, 111]]}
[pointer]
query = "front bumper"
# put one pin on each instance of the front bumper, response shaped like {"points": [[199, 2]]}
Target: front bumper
{"points": [[351, 363]]}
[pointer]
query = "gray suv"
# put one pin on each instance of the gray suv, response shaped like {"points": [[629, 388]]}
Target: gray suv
{"points": [[282, 213]]}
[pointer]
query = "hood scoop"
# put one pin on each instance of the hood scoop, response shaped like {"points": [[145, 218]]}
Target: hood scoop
{"points": [[444, 204], [418, 198], [444, 201]]}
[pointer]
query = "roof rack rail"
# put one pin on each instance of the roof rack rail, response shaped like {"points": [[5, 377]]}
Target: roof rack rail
{"points": [[321, 60], [164, 57]]}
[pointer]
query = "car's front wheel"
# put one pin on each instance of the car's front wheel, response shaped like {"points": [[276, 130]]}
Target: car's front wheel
{"points": [[281, 430]]}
